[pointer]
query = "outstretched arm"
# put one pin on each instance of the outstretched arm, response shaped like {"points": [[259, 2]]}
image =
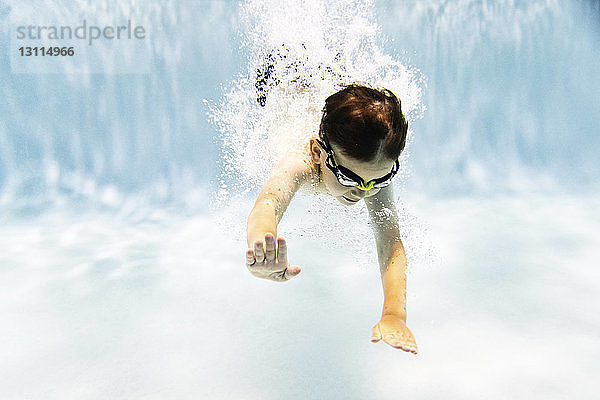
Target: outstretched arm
{"points": [[392, 263], [266, 256]]}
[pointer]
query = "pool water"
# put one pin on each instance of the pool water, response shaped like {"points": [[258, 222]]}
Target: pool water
{"points": [[123, 200]]}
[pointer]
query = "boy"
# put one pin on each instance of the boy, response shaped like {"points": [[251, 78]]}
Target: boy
{"points": [[354, 157]]}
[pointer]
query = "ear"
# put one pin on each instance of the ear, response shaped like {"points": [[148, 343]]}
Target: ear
{"points": [[315, 151]]}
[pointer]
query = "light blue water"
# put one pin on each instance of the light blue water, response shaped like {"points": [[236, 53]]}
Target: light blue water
{"points": [[116, 282], [512, 89]]}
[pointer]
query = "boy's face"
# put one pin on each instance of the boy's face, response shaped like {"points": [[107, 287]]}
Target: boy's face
{"points": [[366, 170]]}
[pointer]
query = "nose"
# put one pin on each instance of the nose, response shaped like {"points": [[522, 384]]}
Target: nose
{"points": [[357, 193]]}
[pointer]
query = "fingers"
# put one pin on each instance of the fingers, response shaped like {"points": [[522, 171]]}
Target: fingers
{"points": [[266, 251], [250, 260], [392, 330], [282, 251], [270, 247], [376, 334], [399, 343], [291, 272], [259, 252], [400, 340], [268, 259]]}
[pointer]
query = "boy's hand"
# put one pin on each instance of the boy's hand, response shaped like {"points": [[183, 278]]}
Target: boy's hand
{"points": [[393, 330], [270, 262]]}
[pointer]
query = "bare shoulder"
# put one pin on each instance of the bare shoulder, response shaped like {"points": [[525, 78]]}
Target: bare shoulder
{"points": [[293, 166], [382, 199], [285, 179], [382, 209]]}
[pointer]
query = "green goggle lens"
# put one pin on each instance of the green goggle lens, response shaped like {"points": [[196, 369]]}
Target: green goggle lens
{"points": [[366, 187]]}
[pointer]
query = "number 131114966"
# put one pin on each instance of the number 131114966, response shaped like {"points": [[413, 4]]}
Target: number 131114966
{"points": [[46, 51]]}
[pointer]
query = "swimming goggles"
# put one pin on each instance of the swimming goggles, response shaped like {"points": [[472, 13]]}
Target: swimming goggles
{"points": [[348, 178]]}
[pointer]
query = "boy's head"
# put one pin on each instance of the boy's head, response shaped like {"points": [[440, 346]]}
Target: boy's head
{"points": [[363, 132], [365, 123]]}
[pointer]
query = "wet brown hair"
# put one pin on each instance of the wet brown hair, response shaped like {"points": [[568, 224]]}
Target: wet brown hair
{"points": [[365, 123]]}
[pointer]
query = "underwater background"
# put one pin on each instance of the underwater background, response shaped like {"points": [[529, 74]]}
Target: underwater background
{"points": [[123, 198]]}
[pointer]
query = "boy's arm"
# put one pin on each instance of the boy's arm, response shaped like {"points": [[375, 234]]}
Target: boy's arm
{"points": [[266, 256], [274, 198], [392, 261], [390, 251]]}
